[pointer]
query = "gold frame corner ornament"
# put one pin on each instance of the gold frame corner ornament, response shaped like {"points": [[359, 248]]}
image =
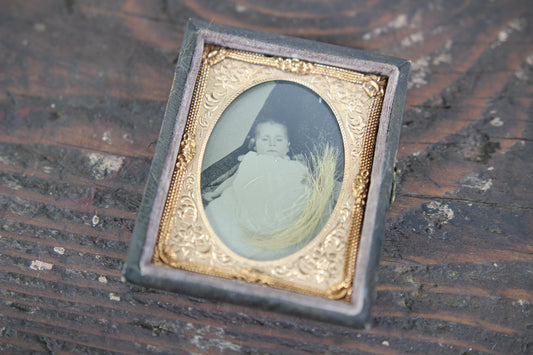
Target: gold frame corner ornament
{"points": [[326, 266]]}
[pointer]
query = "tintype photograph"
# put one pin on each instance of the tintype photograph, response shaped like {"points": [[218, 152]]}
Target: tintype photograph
{"points": [[272, 170], [271, 176]]}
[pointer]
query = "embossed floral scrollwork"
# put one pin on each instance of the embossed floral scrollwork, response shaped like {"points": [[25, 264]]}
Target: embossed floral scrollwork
{"points": [[354, 104], [221, 258], [214, 54], [359, 187], [294, 65], [185, 240], [357, 124], [187, 236], [255, 276], [357, 149], [324, 263], [187, 210], [187, 150], [374, 85], [226, 81], [345, 213], [282, 270], [340, 290]]}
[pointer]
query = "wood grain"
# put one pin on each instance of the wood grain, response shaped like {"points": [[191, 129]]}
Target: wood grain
{"points": [[84, 86]]}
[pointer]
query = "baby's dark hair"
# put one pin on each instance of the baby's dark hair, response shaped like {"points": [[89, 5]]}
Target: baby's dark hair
{"points": [[271, 121], [255, 130]]}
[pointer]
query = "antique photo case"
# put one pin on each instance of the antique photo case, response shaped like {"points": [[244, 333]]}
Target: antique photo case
{"points": [[272, 174]]}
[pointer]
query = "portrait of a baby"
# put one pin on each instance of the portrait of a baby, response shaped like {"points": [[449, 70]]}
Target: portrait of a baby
{"points": [[272, 193]]}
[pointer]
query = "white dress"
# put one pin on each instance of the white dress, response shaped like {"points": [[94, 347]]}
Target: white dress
{"points": [[268, 193]]}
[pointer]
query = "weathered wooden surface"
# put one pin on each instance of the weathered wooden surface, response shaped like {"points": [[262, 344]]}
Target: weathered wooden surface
{"points": [[83, 89]]}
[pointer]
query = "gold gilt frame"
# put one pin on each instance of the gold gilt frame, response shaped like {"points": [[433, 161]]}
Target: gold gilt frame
{"points": [[325, 266]]}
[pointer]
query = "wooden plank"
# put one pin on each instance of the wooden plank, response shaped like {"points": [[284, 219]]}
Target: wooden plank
{"points": [[84, 87]]}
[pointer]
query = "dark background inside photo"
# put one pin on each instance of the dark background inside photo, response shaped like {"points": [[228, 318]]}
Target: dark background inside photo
{"points": [[310, 122]]}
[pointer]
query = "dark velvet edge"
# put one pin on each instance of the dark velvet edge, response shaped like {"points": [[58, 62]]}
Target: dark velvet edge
{"points": [[131, 268], [237, 291], [385, 190]]}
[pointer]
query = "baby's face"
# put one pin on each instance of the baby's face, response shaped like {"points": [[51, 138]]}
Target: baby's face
{"points": [[272, 139]]}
